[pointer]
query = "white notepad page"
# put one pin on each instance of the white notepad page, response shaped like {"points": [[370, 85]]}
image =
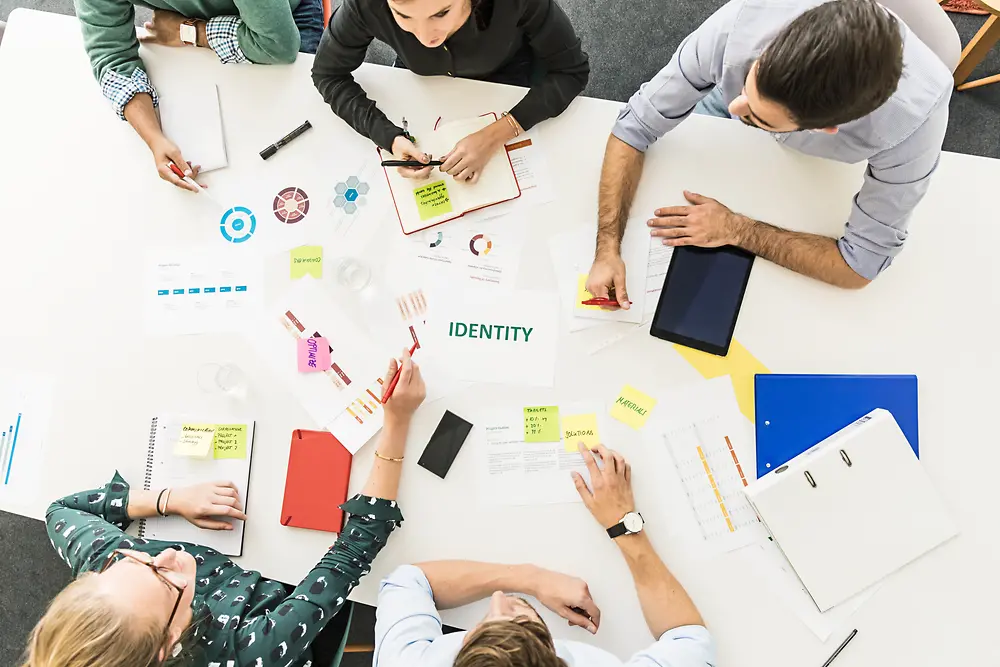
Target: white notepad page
{"points": [[192, 118]]}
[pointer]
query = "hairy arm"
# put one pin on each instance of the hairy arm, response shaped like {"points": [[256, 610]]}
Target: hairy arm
{"points": [[665, 603], [459, 582], [620, 175]]}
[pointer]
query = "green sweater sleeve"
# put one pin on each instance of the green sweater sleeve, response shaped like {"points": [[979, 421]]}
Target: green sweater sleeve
{"points": [[268, 35], [109, 36]]}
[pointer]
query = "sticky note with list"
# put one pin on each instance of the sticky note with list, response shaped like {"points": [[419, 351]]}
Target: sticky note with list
{"points": [[541, 423], [582, 294], [580, 428], [195, 440], [432, 200], [313, 355], [230, 441], [632, 407], [306, 260]]}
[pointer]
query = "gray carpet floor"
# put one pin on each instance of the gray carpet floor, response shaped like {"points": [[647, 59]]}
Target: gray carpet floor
{"points": [[627, 42]]}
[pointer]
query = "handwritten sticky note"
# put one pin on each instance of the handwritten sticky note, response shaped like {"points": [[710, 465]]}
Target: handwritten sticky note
{"points": [[306, 260], [230, 441], [632, 407], [582, 294], [580, 428], [739, 365], [541, 423], [313, 355], [432, 200], [195, 440]]}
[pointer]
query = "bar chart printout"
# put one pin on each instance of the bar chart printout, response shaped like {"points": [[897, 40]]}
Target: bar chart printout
{"points": [[25, 404]]}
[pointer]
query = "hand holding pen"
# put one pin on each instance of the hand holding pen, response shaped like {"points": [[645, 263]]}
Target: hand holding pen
{"points": [[406, 390], [404, 148]]}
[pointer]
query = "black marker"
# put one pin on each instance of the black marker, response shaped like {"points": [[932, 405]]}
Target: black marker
{"points": [[273, 148], [411, 163]]}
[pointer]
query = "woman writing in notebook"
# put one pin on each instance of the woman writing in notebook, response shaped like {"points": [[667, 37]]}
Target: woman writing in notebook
{"points": [[527, 43], [138, 603]]}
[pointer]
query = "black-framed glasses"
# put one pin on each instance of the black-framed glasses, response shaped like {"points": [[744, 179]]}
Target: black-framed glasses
{"points": [[147, 560]]}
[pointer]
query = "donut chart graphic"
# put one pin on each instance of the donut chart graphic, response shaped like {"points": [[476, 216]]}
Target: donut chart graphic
{"points": [[486, 247], [440, 237], [238, 224], [291, 205]]}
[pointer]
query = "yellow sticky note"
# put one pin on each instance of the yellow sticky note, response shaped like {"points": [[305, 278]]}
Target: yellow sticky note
{"points": [[541, 423], [230, 441], [195, 440], [306, 260], [632, 407], [432, 200], [739, 365], [582, 294], [580, 428]]}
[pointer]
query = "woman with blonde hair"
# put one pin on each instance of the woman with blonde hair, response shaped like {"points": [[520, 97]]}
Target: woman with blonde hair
{"points": [[139, 603]]}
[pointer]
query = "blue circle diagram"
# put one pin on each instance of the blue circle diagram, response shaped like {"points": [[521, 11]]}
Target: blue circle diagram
{"points": [[238, 224]]}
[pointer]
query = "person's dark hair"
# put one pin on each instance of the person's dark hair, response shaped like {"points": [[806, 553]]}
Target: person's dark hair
{"points": [[834, 63], [516, 643]]}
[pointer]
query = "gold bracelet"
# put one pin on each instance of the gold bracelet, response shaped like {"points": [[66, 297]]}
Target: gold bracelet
{"points": [[388, 458], [513, 123]]}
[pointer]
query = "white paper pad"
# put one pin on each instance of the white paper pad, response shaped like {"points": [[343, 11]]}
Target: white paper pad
{"points": [[192, 119]]}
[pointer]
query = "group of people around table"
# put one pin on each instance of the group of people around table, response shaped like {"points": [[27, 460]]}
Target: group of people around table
{"points": [[843, 79]]}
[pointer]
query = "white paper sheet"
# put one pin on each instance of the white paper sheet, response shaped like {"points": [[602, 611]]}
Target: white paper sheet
{"points": [[531, 169], [656, 271], [25, 409], [635, 253], [566, 249], [191, 117]]}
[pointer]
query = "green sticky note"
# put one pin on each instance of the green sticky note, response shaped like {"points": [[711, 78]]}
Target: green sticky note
{"points": [[432, 200], [307, 260], [541, 424], [230, 441]]}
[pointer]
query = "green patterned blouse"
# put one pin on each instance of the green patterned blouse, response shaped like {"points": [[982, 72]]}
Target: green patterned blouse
{"points": [[240, 618]]}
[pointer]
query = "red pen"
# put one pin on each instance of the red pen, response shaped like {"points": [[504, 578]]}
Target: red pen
{"points": [[601, 301], [190, 181], [395, 378]]}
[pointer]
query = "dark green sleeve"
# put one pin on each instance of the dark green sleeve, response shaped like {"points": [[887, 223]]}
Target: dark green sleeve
{"points": [[87, 526], [109, 36], [268, 35], [277, 638]]}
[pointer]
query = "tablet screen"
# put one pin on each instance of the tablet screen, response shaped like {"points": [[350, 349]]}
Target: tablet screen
{"points": [[701, 297]]}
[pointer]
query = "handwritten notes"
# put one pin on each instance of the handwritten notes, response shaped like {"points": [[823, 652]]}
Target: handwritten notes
{"points": [[580, 428], [313, 355], [541, 423], [306, 260], [632, 407], [230, 441], [582, 294], [433, 200], [195, 440]]}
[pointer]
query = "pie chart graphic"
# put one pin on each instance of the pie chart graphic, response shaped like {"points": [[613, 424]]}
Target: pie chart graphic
{"points": [[238, 224], [291, 205], [480, 244], [436, 242]]}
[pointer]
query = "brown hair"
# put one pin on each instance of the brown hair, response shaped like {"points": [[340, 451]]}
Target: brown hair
{"points": [[84, 626], [834, 63], [516, 643]]}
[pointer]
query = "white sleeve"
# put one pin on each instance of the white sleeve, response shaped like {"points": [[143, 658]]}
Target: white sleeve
{"points": [[686, 646], [406, 621]]}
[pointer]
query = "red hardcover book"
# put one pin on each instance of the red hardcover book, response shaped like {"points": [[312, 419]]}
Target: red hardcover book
{"points": [[319, 471]]}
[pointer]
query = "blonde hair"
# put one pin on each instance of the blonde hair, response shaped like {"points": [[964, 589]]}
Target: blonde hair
{"points": [[513, 643], [84, 626]]}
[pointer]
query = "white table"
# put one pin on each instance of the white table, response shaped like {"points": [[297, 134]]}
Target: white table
{"points": [[71, 267]]}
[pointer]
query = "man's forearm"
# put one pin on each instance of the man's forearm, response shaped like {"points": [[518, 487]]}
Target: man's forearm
{"points": [[141, 115], [809, 254], [460, 582], [665, 603], [619, 180]]}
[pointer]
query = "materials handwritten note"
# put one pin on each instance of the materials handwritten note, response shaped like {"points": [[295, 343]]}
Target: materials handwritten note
{"points": [[739, 365], [307, 260], [632, 407], [541, 423], [582, 294], [230, 441], [580, 428], [314, 355], [433, 200], [195, 440]]}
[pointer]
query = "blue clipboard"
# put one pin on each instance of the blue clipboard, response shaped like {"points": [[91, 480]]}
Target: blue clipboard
{"points": [[794, 412]]}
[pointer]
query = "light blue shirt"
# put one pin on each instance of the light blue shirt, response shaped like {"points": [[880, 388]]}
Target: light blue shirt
{"points": [[901, 140], [408, 633]]}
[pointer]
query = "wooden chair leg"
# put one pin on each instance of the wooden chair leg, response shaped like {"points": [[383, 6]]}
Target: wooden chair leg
{"points": [[976, 51]]}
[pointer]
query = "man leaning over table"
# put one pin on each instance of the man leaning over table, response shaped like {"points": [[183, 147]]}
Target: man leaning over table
{"points": [[844, 80], [265, 32], [408, 629]]}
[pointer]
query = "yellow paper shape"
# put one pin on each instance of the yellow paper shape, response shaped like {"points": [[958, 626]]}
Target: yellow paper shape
{"points": [[195, 440], [541, 423], [739, 365], [580, 428], [582, 294], [432, 200], [632, 407], [306, 260], [230, 441]]}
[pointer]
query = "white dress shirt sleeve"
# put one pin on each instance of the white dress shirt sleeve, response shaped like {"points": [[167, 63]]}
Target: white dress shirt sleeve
{"points": [[406, 621], [686, 646]]}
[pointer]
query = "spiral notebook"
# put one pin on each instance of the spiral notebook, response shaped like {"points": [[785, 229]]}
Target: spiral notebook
{"points": [[229, 460]]}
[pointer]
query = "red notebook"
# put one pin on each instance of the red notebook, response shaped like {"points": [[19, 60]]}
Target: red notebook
{"points": [[319, 471]]}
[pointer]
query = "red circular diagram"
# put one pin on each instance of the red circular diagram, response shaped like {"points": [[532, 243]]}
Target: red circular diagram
{"points": [[291, 205]]}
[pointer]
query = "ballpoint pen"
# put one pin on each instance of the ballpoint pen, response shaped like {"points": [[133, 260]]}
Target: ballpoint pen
{"points": [[190, 181], [395, 378]]}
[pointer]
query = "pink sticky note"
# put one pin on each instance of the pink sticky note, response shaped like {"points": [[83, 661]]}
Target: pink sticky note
{"points": [[314, 355]]}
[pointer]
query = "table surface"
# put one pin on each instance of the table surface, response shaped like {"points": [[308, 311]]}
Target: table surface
{"points": [[71, 270]]}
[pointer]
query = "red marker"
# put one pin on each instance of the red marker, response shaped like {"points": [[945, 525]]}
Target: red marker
{"points": [[190, 181], [602, 301], [395, 378]]}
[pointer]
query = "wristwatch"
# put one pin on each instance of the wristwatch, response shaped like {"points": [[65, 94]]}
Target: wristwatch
{"points": [[630, 524], [189, 32]]}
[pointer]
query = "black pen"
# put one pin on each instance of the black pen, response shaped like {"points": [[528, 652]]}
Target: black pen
{"points": [[411, 163], [273, 148], [840, 648]]}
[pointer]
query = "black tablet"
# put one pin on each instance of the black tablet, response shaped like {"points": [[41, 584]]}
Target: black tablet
{"points": [[701, 297]]}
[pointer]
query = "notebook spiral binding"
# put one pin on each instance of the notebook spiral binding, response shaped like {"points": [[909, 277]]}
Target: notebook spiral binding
{"points": [[150, 453]]}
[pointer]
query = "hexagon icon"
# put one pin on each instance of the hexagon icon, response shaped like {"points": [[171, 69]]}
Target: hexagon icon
{"points": [[351, 194], [340, 188], [339, 201], [362, 188], [353, 181], [350, 207]]}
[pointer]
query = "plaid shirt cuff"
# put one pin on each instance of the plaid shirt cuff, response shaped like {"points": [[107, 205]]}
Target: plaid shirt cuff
{"points": [[221, 34], [120, 89]]}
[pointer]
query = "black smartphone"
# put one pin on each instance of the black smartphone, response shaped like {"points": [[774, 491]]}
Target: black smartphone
{"points": [[448, 438]]}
